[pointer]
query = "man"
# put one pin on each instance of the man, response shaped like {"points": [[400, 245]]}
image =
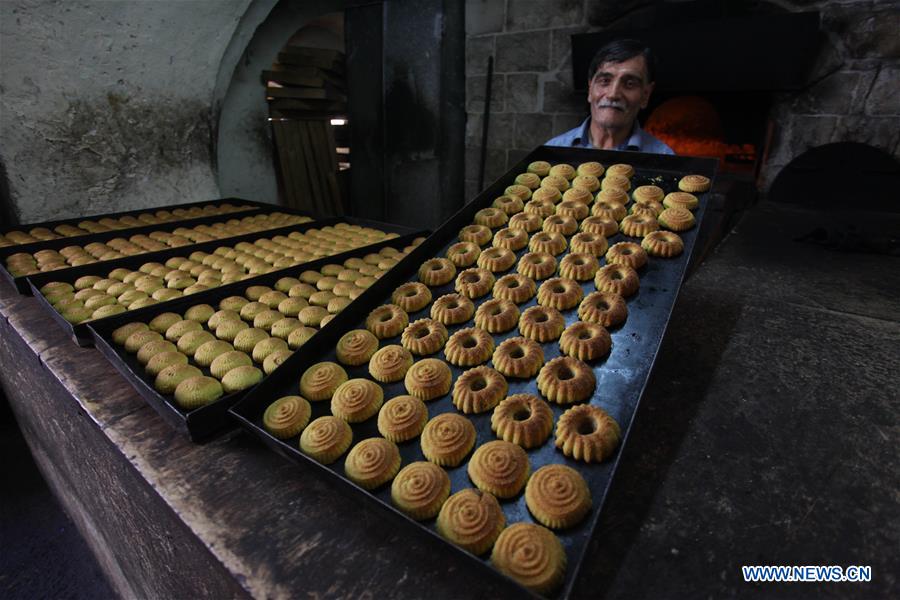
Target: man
{"points": [[620, 81]]}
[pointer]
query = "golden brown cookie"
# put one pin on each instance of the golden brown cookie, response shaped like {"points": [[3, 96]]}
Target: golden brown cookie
{"points": [[356, 347], [627, 253], [605, 308], [518, 357], [559, 223], [321, 380], [571, 209], [496, 260], [499, 468], [648, 193], [463, 254], [694, 184], [537, 265], [120, 334], [560, 293], [447, 439], [496, 316], [612, 181], [287, 416], [241, 378], [424, 337], [585, 341], [579, 195], [549, 242], [523, 192], [168, 379], [437, 271], [474, 283], [478, 390], [605, 226], [412, 296], [511, 205], [452, 309], [515, 288], [511, 239], [558, 496], [677, 219], [541, 324], [197, 391], [402, 418], [469, 347], [527, 222], [420, 489], [663, 244], [523, 419], [531, 555], [541, 168], [491, 217], [590, 168], [587, 433], [428, 379], [390, 363], [588, 183], [326, 438], [372, 463], [578, 266], [619, 279], [638, 225], [386, 321], [566, 380], [477, 234], [681, 200], [472, 520], [356, 400]]}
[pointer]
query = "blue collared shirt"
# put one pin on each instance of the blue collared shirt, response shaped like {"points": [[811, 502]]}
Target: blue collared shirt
{"points": [[639, 141]]}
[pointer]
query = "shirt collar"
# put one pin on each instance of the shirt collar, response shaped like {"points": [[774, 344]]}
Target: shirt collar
{"points": [[632, 143]]}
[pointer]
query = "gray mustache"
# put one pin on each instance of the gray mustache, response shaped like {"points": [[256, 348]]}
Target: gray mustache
{"points": [[607, 104]]}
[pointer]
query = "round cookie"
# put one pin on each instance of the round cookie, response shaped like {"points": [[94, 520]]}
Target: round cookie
{"points": [[420, 489], [532, 556], [325, 439], [499, 468], [241, 378], [523, 419], [194, 392], [478, 390], [372, 463], [387, 320], [558, 496], [452, 309], [390, 363], [447, 439], [566, 380], [320, 381], [356, 347], [587, 433], [424, 337], [469, 347], [585, 341], [402, 418], [356, 400], [428, 379], [472, 520], [541, 324]]}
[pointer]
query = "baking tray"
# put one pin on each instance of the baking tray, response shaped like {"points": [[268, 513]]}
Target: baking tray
{"points": [[21, 284], [80, 334], [621, 377], [203, 423]]}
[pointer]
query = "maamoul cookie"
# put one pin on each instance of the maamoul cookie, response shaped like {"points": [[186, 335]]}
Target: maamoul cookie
{"points": [[300, 336], [620, 169], [541, 168], [452, 309], [677, 219], [193, 340], [152, 348], [386, 321], [478, 390], [627, 253], [573, 209], [562, 224], [140, 337], [169, 378], [463, 254], [638, 225], [618, 182], [275, 360], [402, 418], [527, 222], [496, 316], [164, 359], [612, 210], [301, 290], [585, 341], [500, 468], [586, 242], [511, 239], [478, 234], [356, 347], [694, 184], [496, 260], [587, 433], [605, 226], [537, 265], [578, 266], [266, 319], [372, 463], [220, 316], [472, 520], [469, 347], [312, 316], [540, 208], [555, 181], [420, 489], [267, 347], [197, 391], [120, 334], [518, 357], [282, 328], [412, 296], [228, 329], [613, 195], [206, 353], [577, 195], [523, 192], [558, 496], [647, 209], [509, 204], [619, 279], [178, 329], [423, 337], [161, 322], [590, 168], [241, 378], [523, 419], [589, 183], [681, 200], [491, 217], [320, 381], [248, 338], [325, 439], [560, 293], [390, 363], [200, 313], [663, 244], [438, 271], [566, 380], [428, 379], [563, 170], [287, 416], [227, 361], [356, 400], [447, 439], [475, 282], [515, 288], [605, 308], [531, 555], [541, 324], [648, 193], [549, 242]]}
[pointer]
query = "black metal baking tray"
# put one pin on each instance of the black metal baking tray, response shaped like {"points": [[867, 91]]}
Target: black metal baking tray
{"points": [[21, 284], [80, 334], [621, 377], [202, 423]]}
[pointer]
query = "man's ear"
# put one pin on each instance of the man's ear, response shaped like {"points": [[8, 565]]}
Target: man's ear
{"points": [[648, 90]]}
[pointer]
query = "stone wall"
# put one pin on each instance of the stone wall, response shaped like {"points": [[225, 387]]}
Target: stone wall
{"points": [[851, 95], [109, 105]]}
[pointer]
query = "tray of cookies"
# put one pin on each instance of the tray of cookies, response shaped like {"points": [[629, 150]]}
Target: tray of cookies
{"points": [[56, 255], [83, 294], [482, 390], [191, 358]]}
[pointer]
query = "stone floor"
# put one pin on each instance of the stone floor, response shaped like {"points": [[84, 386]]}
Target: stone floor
{"points": [[43, 555]]}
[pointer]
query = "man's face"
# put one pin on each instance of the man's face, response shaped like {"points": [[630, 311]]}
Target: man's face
{"points": [[618, 91]]}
